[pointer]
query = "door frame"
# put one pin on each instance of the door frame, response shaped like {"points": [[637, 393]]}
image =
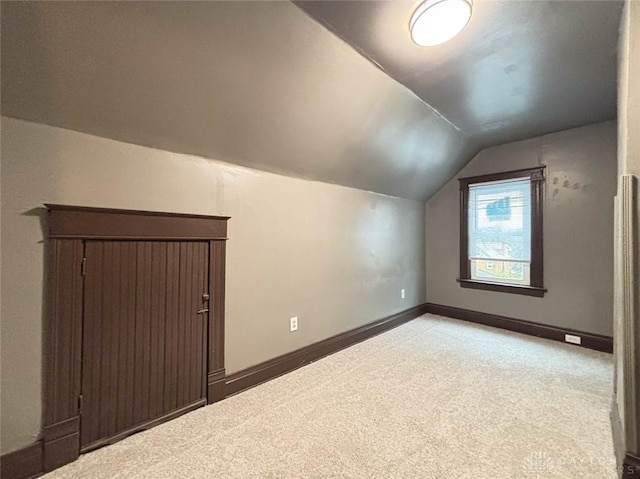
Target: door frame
{"points": [[68, 228]]}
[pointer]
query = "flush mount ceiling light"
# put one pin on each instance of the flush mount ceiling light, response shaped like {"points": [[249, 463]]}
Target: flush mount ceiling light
{"points": [[436, 21]]}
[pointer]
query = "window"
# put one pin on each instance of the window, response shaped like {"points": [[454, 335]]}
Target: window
{"points": [[501, 232]]}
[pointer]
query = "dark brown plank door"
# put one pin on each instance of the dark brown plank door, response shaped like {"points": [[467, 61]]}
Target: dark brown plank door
{"points": [[144, 342]]}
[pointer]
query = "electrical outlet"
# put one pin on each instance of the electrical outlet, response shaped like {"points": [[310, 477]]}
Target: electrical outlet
{"points": [[293, 324], [402, 293], [570, 338]]}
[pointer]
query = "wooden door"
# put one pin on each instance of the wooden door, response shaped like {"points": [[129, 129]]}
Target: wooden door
{"points": [[144, 356]]}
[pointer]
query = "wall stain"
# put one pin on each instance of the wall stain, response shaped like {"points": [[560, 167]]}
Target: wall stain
{"points": [[555, 180], [576, 186], [511, 69], [566, 183], [555, 192]]}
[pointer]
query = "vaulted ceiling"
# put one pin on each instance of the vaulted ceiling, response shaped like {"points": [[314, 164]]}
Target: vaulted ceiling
{"points": [[519, 69], [330, 91]]}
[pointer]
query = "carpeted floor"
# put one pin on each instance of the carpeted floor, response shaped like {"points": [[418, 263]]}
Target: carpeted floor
{"points": [[435, 398]]}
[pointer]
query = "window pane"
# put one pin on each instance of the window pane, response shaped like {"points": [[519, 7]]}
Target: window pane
{"points": [[500, 229], [513, 272]]}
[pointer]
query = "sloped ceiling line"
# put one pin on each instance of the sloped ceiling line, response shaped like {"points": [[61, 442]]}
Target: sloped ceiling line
{"points": [[519, 69], [264, 85], [329, 26]]}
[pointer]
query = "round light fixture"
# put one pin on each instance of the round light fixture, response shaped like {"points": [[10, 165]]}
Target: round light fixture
{"points": [[436, 21]]}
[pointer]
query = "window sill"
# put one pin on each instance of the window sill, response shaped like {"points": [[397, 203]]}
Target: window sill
{"points": [[503, 288]]}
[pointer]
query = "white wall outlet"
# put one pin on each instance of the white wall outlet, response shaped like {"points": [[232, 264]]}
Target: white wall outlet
{"points": [[402, 295], [293, 324], [570, 338]]}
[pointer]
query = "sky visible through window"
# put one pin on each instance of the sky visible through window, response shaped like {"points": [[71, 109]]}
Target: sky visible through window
{"points": [[500, 230]]}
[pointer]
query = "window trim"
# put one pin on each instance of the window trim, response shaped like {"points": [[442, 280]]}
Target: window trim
{"points": [[536, 287]]}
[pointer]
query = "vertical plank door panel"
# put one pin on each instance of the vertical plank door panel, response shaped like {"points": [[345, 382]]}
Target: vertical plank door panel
{"points": [[171, 327], [144, 346]]}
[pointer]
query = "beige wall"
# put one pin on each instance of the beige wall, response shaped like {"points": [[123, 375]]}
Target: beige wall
{"points": [[334, 256], [578, 231], [628, 164]]}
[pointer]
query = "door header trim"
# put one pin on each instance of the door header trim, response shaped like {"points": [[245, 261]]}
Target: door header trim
{"points": [[81, 222]]}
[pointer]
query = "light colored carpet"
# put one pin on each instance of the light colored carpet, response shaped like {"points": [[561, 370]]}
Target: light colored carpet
{"points": [[434, 398]]}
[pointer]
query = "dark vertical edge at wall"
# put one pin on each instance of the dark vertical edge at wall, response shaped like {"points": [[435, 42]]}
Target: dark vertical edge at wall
{"points": [[589, 340], [537, 222], [464, 232], [216, 371], [23, 463], [632, 342], [629, 308], [263, 372], [63, 355]]}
